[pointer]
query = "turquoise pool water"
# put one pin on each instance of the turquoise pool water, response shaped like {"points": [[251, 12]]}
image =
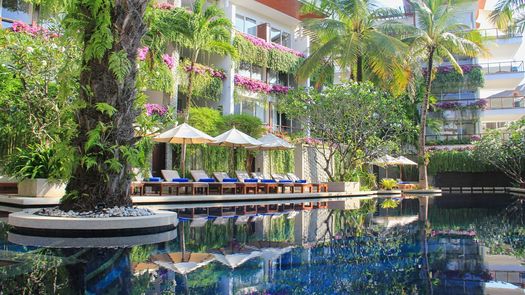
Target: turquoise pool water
{"points": [[466, 245]]}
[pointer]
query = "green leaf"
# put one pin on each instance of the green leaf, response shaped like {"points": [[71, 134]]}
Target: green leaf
{"points": [[106, 108], [119, 64], [114, 164]]}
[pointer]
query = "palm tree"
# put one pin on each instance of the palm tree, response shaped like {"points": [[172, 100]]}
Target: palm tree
{"points": [[437, 38], [352, 38], [509, 15], [203, 29]]}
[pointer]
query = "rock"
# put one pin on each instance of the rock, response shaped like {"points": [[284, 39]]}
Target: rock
{"points": [[103, 213]]}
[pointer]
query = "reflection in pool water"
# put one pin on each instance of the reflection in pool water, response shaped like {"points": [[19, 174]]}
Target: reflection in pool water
{"points": [[467, 245]]}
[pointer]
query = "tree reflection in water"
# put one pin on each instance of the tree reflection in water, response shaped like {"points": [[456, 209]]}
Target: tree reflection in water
{"points": [[375, 249]]}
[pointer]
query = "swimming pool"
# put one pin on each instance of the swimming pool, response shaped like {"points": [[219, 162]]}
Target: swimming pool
{"points": [[466, 244]]}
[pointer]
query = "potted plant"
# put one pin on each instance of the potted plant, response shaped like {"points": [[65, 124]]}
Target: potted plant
{"points": [[388, 184], [41, 171]]}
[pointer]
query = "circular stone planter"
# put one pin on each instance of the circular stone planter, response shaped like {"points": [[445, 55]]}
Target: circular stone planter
{"points": [[29, 224], [105, 242]]}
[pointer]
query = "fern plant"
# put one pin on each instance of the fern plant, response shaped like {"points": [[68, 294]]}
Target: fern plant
{"points": [[38, 161], [388, 183]]}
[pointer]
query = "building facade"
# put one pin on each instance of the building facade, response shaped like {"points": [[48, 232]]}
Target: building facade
{"points": [[490, 94]]}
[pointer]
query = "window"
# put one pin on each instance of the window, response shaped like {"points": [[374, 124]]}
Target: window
{"points": [[286, 40], [278, 78], [495, 125], [246, 25], [14, 10], [250, 71], [280, 37], [275, 35]]}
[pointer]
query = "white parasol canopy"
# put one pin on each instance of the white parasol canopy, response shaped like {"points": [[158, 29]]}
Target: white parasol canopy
{"points": [[236, 259], [184, 134], [271, 142], [405, 161], [386, 160], [183, 265], [235, 138]]}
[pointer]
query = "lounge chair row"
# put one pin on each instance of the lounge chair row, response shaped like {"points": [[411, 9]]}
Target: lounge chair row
{"points": [[222, 183]]}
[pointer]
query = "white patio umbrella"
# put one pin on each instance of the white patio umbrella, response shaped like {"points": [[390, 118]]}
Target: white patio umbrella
{"points": [[183, 134], [234, 138], [234, 260], [270, 143], [404, 161], [385, 161], [182, 265]]}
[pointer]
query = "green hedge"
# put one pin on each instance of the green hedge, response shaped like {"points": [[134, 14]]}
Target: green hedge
{"points": [[456, 161]]}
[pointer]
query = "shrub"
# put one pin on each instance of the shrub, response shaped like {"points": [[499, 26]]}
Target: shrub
{"points": [[248, 124], [456, 161], [38, 161], [207, 120], [388, 183]]}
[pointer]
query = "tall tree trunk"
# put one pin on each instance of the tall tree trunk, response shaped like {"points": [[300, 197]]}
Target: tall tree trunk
{"points": [[97, 185], [422, 161], [359, 69], [187, 105]]}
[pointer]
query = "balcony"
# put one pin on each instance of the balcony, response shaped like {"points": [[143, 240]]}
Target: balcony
{"points": [[456, 139], [490, 103], [495, 33], [503, 75]]}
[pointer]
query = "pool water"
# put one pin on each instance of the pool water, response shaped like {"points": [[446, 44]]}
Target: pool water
{"points": [[451, 244]]}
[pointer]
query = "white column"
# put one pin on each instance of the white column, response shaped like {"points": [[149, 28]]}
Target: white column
{"points": [[227, 101]]}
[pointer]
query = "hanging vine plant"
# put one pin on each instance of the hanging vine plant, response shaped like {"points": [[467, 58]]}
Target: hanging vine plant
{"points": [[266, 54], [447, 78], [207, 82]]}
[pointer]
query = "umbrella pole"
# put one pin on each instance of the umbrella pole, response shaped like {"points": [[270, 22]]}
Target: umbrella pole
{"points": [[270, 160], [401, 172], [183, 158]]}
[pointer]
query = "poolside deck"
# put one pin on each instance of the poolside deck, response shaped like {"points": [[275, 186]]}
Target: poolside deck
{"points": [[14, 203]]}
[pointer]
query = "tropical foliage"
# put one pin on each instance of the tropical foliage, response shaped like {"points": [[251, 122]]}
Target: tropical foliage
{"points": [[504, 150], [435, 38], [509, 15], [39, 161], [456, 161], [207, 81], [352, 38], [352, 123], [388, 183], [266, 54], [39, 72], [447, 78], [204, 28]]}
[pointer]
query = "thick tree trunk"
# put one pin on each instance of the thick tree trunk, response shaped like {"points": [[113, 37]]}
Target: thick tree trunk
{"points": [[97, 185], [422, 162], [359, 69]]}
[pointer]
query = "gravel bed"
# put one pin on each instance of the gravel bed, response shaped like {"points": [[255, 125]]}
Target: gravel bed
{"points": [[102, 213]]}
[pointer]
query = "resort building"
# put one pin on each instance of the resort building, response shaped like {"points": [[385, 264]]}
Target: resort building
{"points": [[490, 93]]}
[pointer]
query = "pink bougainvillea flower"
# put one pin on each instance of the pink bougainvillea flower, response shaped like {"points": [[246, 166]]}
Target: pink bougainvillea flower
{"points": [[156, 109], [142, 53], [168, 60], [165, 6], [202, 70], [33, 30], [269, 45]]}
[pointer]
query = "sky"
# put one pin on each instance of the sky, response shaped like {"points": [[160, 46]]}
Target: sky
{"points": [[399, 3]]}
